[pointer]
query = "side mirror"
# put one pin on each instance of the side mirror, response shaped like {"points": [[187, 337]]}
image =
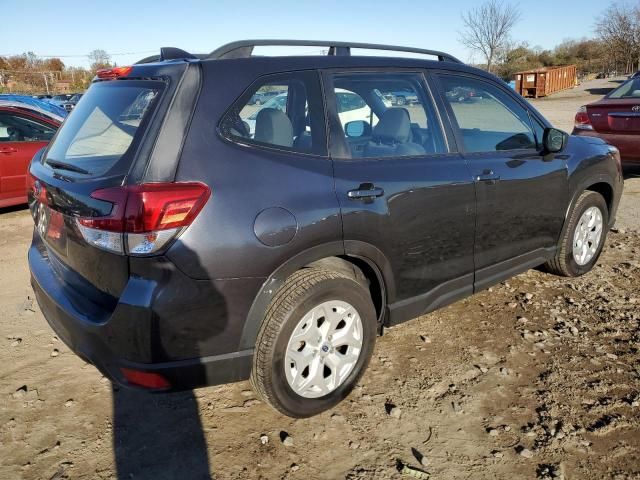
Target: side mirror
{"points": [[357, 128], [554, 140]]}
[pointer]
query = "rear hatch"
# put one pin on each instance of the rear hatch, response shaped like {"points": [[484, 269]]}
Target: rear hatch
{"points": [[620, 116], [112, 128]]}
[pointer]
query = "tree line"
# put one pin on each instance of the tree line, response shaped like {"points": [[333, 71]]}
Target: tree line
{"points": [[28, 73], [615, 48]]}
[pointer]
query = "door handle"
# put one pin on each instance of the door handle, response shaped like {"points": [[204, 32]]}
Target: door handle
{"points": [[487, 175], [8, 150], [366, 191]]}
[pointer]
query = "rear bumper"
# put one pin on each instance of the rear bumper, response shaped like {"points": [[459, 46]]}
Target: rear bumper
{"points": [[95, 338], [629, 145]]}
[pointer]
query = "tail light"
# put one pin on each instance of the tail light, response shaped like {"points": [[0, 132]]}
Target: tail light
{"points": [[143, 218], [582, 121]]}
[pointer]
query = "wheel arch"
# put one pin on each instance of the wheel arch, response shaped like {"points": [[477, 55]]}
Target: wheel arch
{"points": [[601, 184], [362, 260]]}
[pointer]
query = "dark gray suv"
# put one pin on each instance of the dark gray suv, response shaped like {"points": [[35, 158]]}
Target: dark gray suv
{"points": [[187, 237]]}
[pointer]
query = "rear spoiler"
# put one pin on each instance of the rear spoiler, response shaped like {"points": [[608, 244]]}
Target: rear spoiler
{"points": [[171, 53]]}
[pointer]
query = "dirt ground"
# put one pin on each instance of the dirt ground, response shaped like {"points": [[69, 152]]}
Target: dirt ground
{"points": [[538, 377]]}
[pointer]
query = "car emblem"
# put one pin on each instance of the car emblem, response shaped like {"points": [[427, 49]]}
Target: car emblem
{"points": [[635, 108]]}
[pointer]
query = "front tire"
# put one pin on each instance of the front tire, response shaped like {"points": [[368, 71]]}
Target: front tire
{"points": [[582, 241], [314, 343]]}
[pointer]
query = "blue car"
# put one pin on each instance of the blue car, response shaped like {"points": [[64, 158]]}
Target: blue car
{"points": [[41, 104]]}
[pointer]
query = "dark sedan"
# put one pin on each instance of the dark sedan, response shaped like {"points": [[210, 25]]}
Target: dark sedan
{"points": [[615, 119]]}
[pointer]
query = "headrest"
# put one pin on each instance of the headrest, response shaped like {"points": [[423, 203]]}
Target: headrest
{"points": [[273, 127], [394, 126]]}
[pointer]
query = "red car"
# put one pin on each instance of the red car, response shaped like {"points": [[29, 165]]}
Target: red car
{"points": [[23, 131], [615, 119]]}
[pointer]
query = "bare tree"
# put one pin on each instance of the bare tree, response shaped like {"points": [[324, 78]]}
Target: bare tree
{"points": [[619, 29], [99, 59], [487, 28]]}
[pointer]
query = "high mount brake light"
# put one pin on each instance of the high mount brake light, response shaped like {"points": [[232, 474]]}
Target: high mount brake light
{"points": [[582, 120], [115, 72], [144, 218]]}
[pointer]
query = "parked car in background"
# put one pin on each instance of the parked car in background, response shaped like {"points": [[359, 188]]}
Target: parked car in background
{"points": [[173, 248], [461, 94], [24, 129], [75, 99], [401, 97], [36, 103], [60, 99], [260, 98], [67, 100], [635, 75], [616, 119]]}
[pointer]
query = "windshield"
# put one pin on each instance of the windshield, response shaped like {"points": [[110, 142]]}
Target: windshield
{"points": [[102, 127], [629, 89]]}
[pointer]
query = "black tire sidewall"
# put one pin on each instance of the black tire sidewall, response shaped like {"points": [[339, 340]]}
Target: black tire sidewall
{"points": [[592, 200], [343, 289]]}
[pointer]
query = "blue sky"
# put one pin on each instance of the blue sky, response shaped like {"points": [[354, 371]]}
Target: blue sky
{"points": [[75, 27]]}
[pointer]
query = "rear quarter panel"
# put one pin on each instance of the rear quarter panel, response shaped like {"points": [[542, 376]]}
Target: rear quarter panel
{"points": [[246, 181]]}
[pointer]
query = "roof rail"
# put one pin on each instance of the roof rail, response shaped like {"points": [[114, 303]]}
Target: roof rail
{"points": [[244, 48]]}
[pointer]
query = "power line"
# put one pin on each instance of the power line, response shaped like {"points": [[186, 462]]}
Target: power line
{"points": [[76, 56]]}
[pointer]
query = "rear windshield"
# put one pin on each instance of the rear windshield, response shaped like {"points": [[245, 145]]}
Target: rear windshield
{"points": [[630, 89], [102, 127]]}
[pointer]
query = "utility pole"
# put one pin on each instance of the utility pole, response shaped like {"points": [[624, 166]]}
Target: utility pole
{"points": [[46, 83]]}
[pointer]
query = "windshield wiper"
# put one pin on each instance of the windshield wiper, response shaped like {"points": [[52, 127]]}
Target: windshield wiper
{"points": [[66, 166]]}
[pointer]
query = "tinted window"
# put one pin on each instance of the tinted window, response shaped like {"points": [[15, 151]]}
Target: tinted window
{"points": [[386, 114], [282, 111], [17, 128], [489, 120], [102, 127]]}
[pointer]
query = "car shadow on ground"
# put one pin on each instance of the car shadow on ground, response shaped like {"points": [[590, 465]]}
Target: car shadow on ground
{"points": [[13, 209], [158, 436], [600, 91], [632, 171]]}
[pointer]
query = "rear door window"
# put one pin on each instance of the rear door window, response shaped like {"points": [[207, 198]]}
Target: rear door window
{"points": [[18, 128], [103, 127]]}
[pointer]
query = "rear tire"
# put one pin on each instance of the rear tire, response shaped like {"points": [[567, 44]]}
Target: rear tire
{"points": [[276, 377], [582, 241]]}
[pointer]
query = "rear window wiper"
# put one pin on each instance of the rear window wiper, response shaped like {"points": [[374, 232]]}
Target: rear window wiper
{"points": [[66, 166]]}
